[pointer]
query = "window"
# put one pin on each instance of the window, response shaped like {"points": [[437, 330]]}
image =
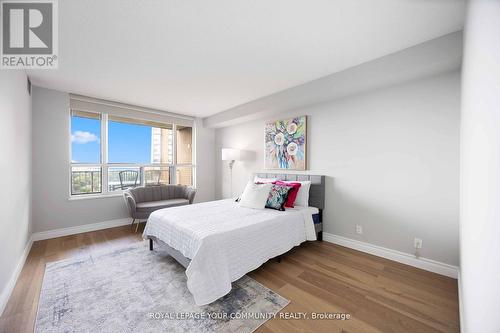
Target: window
{"points": [[184, 145], [85, 137], [184, 175], [156, 175], [111, 153], [86, 153], [85, 180], [135, 141], [184, 155]]}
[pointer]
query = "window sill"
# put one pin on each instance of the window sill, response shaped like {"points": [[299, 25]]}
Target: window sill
{"points": [[93, 196]]}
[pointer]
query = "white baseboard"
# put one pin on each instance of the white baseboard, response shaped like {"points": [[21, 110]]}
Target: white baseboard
{"points": [[460, 303], [402, 257], [7, 291], [79, 229]]}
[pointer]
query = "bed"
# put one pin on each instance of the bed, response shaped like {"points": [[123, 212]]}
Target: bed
{"points": [[218, 241]]}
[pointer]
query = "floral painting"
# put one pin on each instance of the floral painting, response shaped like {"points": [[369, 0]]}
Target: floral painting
{"points": [[286, 144]]}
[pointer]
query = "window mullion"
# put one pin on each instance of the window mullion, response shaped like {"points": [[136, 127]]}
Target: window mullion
{"points": [[194, 131], [174, 155], [104, 153]]}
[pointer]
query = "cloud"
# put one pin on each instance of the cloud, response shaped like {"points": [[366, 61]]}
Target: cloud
{"points": [[82, 137]]}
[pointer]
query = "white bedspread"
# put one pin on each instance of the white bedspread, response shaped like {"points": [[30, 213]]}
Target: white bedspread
{"points": [[225, 241]]}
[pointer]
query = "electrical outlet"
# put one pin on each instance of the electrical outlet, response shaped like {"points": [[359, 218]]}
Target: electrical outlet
{"points": [[359, 229], [417, 243]]}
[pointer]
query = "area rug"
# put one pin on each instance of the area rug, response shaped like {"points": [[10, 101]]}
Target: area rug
{"points": [[136, 290]]}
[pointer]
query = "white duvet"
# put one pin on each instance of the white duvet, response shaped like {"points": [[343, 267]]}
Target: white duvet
{"points": [[225, 241]]}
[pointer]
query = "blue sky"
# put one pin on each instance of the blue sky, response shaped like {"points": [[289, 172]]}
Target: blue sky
{"points": [[127, 143]]}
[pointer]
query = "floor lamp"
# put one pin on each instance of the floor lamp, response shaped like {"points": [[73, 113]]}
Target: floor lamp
{"points": [[231, 155]]}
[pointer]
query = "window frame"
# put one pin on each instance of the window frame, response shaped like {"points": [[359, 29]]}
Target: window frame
{"points": [[105, 164]]}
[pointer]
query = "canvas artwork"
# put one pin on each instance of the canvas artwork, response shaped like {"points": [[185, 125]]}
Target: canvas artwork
{"points": [[286, 144]]}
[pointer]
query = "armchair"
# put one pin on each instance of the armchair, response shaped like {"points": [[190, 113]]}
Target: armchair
{"points": [[142, 201]]}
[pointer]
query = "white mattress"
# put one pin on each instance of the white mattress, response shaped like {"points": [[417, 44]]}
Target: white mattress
{"points": [[225, 241]]}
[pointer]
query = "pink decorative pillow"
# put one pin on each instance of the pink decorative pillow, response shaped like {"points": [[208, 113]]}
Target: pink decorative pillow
{"points": [[292, 194]]}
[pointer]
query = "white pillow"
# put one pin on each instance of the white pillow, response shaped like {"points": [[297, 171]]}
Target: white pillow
{"points": [[302, 198], [255, 195], [264, 180]]}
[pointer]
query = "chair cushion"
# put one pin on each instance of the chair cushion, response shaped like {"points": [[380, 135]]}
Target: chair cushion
{"points": [[150, 206]]}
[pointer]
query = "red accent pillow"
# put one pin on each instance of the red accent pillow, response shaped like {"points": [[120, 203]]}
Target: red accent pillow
{"points": [[292, 194]]}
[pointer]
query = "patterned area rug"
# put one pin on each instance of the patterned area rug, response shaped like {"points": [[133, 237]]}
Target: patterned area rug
{"points": [[136, 290]]}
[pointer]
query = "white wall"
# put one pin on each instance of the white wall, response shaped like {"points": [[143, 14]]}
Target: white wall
{"points": [[51, 207], [391, 158], [15, 168], [480, 191]]}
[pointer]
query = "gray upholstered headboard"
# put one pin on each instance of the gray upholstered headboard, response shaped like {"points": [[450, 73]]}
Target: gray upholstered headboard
{"points": [[317, 191]]}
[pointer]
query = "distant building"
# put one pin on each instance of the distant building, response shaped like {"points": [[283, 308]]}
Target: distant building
{"points": [[161, 143]]}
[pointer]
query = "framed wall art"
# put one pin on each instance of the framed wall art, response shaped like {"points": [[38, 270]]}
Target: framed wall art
{"points": [[285, 144]]}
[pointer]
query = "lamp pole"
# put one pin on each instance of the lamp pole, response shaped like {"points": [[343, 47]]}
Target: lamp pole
{"points": [[231, 163]]}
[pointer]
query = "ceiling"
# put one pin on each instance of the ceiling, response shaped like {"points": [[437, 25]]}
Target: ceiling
{"points": [[203, 57]]}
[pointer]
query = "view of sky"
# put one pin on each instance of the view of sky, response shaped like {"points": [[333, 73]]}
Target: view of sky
{"points": [[127, 143]]}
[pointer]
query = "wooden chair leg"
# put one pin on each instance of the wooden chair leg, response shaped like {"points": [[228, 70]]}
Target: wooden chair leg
{"points": [[137, 226], [133, 221]]}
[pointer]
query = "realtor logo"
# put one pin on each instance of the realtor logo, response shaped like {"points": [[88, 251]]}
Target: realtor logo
{"points": [[29, 34]]}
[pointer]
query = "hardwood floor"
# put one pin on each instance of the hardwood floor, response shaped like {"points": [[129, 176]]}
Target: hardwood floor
{"points": [[380, 295]]}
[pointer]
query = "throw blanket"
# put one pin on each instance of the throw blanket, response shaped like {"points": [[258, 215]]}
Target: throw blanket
{"points": [[225, 241]]}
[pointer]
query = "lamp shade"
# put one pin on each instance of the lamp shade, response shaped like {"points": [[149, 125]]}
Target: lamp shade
{"points": [[231, 154]]}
